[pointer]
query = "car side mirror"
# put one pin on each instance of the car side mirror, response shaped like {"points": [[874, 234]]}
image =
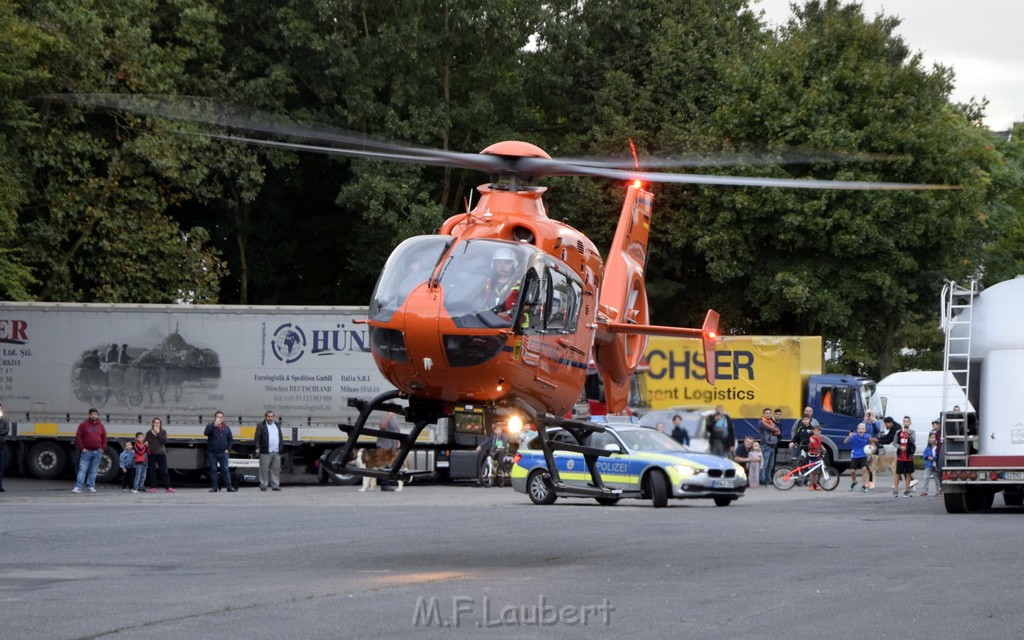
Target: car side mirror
{"points": [[613, 448]]}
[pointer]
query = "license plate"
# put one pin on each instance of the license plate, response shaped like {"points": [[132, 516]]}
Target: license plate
{"points": [[1013, 475], [721, 484]]}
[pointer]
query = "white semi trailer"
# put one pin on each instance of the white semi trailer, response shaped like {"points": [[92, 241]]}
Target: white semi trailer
{"points": [[983, 455], [182, 363]]}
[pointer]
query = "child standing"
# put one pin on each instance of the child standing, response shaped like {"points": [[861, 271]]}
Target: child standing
{"points": [[929, 467], [127, 463], [814, 454], [754, 459], [141, 460]]}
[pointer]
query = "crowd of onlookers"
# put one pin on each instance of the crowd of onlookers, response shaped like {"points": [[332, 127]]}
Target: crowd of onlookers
{"points": [[867, 449]]}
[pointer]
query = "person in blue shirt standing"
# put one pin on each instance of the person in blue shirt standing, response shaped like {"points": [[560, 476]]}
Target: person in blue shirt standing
{"points": [[858, 458]]}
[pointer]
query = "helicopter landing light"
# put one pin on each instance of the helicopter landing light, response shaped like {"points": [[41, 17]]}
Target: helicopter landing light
{"points": [[501, 384], [515, 424]]}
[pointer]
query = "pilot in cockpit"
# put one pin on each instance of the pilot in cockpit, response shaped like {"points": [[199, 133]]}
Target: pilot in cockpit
{"points": [[501, 290]]}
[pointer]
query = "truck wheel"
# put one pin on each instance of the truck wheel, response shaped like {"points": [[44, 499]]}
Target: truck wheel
{"points": [[657, 489], [109, 468], [973, 499], [829, 479], [538, 485], [784, 479], [723, 501], [955, 502], [47, 460]]}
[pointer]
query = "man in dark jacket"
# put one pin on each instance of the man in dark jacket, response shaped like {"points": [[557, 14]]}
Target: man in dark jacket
{"points": [[91, 442], [268, 448], [721, 435], [218, 441]]}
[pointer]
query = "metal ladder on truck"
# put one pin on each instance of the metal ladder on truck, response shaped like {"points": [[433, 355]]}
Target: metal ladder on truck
{"points": [[957, 314]]}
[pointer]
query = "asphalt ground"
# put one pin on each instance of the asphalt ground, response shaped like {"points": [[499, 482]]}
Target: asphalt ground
{"points": [[437, 561]]}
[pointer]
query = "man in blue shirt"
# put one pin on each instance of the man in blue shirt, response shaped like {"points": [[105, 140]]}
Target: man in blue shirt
{"points": [[858, 458]]}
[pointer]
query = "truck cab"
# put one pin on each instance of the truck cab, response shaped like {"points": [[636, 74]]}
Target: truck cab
{"points": [[839, 403]]}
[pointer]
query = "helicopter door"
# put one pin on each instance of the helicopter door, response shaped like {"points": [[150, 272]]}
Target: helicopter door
{"points": [[530, 321]]}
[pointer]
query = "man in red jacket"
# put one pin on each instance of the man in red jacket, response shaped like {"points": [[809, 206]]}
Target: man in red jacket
{"points": [[91, 441]]}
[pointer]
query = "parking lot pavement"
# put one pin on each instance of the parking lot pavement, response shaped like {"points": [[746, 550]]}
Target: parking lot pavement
{"points": [[439, 561]]}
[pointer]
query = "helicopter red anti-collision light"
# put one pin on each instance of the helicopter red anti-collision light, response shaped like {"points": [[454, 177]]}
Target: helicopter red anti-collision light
{"points": [[638, 184]]}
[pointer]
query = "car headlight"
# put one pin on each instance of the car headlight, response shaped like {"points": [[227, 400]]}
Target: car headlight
{"points": [[740, 471], [684, 470]]}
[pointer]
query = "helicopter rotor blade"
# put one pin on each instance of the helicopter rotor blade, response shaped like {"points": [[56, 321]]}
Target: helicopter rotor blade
{"points": [[715, 159], [348, 144], [208, 112], [490, 164], [566, 169]]}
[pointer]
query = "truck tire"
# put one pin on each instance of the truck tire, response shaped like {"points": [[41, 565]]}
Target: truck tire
{"points": [[109, 468], [955, 502], [47, 460]]}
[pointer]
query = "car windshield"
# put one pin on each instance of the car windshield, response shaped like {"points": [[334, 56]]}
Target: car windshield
{"points": [[649, 440]]}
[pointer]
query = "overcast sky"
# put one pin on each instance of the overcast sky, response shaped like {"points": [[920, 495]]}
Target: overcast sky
{"points": [[979, 39]]}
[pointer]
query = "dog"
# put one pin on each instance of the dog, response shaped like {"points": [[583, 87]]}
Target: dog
{"points": [[885, 458], [375, 459]]}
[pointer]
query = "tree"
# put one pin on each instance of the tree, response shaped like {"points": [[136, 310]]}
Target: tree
{"points": [[92, 222], [856, 267]]}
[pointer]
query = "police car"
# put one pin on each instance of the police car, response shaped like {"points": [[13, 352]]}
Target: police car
{"points": [[644, 463]]}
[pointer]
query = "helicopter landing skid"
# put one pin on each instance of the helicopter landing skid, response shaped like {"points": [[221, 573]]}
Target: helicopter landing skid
{"points": [[596, 488], [338, 460]]}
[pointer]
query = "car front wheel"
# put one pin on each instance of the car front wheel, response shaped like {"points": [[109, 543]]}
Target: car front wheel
{"points": [[657, 489]]}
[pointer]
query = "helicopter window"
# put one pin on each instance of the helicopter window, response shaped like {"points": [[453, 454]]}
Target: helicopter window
{"points": [[409, 266], [531, 318], [564, 303], [482, 282]]}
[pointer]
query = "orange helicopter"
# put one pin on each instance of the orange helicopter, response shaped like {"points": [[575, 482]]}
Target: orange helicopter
{"points": [[498, 314]]}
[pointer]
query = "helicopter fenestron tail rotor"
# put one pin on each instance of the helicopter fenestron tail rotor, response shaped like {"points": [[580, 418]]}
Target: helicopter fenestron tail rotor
{"points": [[268, 131]]}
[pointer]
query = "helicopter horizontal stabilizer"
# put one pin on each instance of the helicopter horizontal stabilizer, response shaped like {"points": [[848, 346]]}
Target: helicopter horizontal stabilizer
{"points": [[708, 335]]}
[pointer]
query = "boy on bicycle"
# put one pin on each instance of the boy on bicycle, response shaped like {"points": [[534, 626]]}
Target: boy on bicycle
{"points": [[814, 455]]}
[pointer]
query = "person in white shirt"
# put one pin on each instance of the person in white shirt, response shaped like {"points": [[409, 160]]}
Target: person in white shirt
{"points": [[268, 447]]}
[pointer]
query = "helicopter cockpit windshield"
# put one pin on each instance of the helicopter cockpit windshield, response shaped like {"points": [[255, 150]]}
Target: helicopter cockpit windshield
{"points": [[482, 282], [409, 266]]}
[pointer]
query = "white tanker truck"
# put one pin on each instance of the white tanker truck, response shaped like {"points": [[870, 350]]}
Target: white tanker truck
{"points": [[983, 454]]}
